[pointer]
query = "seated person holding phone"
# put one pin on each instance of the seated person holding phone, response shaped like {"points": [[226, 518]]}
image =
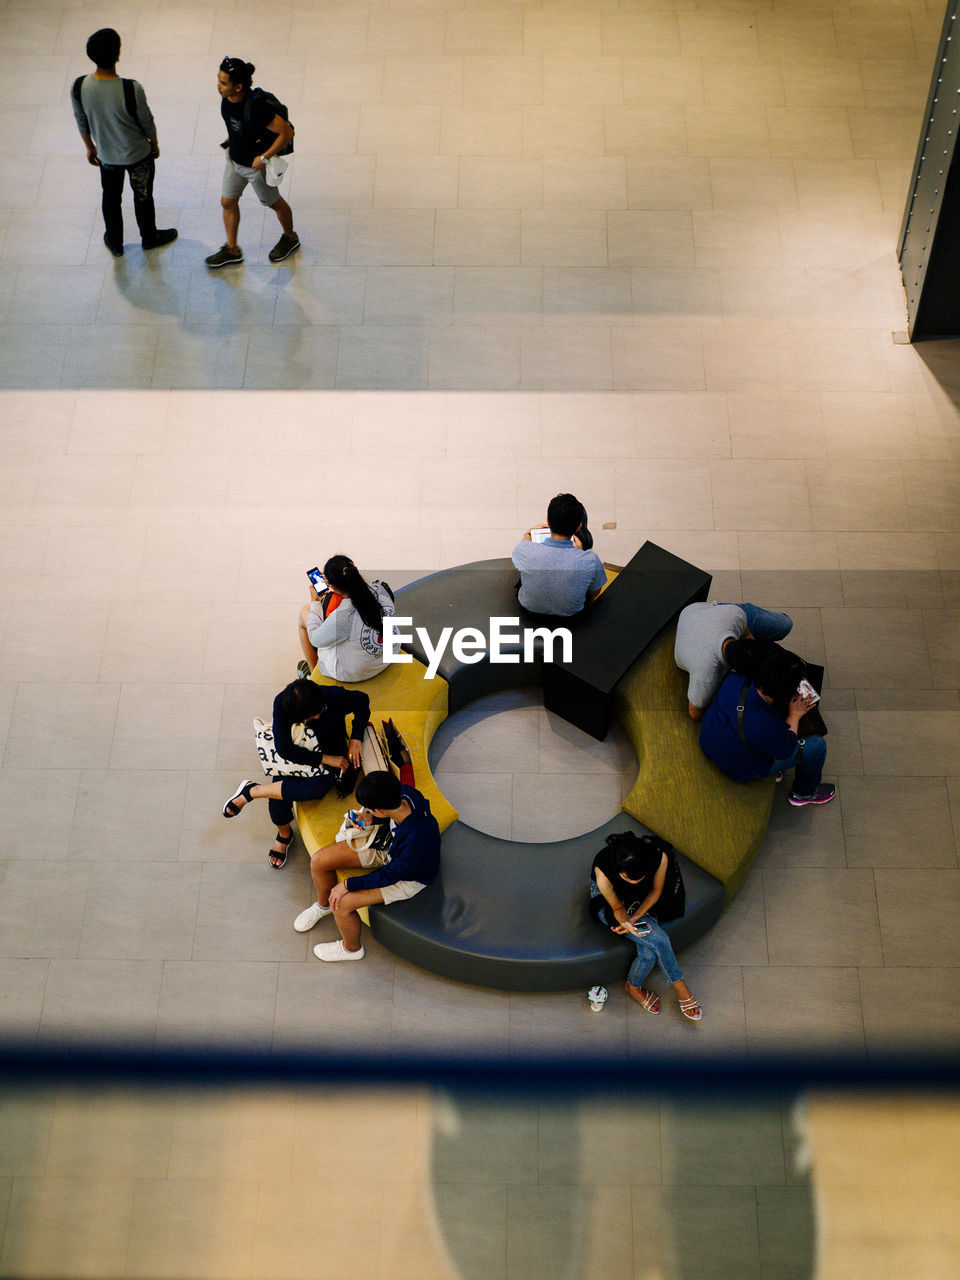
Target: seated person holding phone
{"points": [[751, 728], [559, 573], [341, 628], [336, 759], [408, 864], [635, 888]]}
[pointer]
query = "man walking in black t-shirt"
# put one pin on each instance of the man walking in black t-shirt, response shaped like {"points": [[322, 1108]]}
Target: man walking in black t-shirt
{"points": [[256, 133], [118, 131]]}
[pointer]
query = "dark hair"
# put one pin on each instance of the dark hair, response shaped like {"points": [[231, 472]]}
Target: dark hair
{"points": [[565, 514], [344, 576], [301, 700], [240, 72], [779, 675], [746, 656], [103, 47], [631, 853], [379, 790]]}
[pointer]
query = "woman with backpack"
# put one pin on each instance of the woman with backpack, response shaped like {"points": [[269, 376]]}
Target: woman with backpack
{"points": [[635, 888], [257, 130], [341, 630]]}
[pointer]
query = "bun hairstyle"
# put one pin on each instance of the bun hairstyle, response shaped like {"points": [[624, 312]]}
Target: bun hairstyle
{"points": [[344, 576], [240, 72]]}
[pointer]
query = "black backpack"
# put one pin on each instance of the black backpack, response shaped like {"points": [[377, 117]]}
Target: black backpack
{"points": [[129, 101], [277, 108]]}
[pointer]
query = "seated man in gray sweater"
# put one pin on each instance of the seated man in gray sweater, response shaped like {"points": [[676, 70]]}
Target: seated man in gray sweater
{"points": [[119, 133]]}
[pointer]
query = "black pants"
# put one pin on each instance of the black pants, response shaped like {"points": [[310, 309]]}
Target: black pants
{"points": [[281, 811], [141, 184]]}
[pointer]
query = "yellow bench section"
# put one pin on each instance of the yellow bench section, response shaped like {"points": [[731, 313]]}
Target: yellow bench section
{"points": [[417, 706], [719, 824]]}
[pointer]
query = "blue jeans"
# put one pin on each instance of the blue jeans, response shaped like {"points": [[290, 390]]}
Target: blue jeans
{"points": [[653, 948], [808, 772], [766, 624]]}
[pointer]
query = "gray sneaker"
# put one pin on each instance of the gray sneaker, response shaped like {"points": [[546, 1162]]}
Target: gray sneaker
{"points": [[224, 257], [283, 248]]}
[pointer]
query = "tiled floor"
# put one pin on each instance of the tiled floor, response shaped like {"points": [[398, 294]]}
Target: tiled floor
{"points": [[644, 252], [468, 1186]]}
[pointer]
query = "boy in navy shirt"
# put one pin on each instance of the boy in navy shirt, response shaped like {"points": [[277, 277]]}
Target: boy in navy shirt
{"points": [[409, 864], [750, 730]]}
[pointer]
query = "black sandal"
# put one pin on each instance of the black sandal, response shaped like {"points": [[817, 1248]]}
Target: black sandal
{"points": [[272, 853], [231, 808]]}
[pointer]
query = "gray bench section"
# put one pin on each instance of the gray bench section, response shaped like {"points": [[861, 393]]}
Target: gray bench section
{"points": [[515, 916]]}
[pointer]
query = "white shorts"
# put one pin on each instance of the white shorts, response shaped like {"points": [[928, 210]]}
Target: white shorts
{"points": [[402, 889]]}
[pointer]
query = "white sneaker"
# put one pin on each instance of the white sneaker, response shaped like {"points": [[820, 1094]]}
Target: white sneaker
{"points": [[313, 915], [336, 951]]}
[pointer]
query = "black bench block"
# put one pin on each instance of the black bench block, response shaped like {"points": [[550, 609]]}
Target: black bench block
{"points": [[646, 595]]}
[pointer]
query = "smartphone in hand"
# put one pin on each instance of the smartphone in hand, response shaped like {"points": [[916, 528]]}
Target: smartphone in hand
{"points": [[806, 690]]}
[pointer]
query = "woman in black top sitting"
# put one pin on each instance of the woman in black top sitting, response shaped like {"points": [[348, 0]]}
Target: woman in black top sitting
{"points": [[324, 709], [635, 888]]}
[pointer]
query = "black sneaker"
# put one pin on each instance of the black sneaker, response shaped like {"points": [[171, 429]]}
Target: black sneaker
{"points": [[283, 248], [224, 257], [115, 249], [823, 795], [161, 238]]}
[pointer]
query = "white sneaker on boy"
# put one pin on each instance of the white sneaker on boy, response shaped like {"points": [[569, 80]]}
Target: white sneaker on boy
{"points": [[336, 951], [313, 915]]}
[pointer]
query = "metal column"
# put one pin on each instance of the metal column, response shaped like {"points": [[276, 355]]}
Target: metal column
{"points": [[929, 245]]}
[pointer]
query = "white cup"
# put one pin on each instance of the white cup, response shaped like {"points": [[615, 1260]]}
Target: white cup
{"points": [[597, 997]]}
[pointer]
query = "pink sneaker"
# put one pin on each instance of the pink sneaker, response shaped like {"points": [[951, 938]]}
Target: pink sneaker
{"points": [[823, 795]]}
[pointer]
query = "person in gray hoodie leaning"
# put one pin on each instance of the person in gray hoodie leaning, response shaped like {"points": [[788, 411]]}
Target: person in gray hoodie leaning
{"points": [[120, 135]]}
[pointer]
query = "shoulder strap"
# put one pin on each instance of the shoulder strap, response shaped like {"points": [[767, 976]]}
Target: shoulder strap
{"points": [[741, 704], [75, 91], [130, 102]]}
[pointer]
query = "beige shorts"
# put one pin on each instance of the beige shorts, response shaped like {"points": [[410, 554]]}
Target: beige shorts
{"points": [[373, 857], [402, 889]]}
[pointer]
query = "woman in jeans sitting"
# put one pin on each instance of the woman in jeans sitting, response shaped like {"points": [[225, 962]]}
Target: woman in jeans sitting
{"points": [[635, 888]]}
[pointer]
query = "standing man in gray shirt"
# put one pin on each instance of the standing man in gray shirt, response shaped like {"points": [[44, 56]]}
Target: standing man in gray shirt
{"points": [[119, 133]]}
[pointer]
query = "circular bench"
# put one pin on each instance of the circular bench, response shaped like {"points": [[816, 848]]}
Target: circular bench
{"points": [[512, 915]]}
